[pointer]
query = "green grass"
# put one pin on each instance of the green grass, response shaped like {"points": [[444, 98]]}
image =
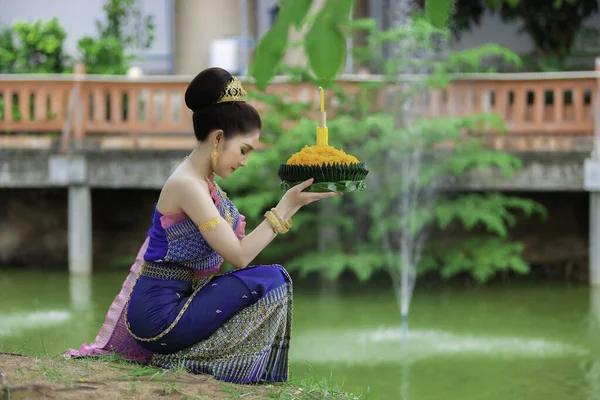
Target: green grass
{"points": [[135, 379], [304, 389]]}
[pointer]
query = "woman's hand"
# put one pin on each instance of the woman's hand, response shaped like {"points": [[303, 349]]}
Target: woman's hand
{"points": [[295, 198]]}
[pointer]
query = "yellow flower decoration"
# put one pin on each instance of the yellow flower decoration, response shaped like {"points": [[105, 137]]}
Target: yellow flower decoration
{"points": [[321, 155]]}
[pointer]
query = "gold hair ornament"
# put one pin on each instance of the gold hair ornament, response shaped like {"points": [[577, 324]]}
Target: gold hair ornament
{"points": [[233, 92]]}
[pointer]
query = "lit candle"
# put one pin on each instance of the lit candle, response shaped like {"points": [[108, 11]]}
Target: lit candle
{"points": [[322, 131], [322, 96]]}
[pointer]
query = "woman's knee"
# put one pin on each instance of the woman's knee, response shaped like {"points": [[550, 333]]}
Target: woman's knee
{"points": [[263, 277], [276, 277]]}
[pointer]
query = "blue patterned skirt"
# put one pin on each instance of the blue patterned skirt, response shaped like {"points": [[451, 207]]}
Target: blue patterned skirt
{"points": [[235, 326]]}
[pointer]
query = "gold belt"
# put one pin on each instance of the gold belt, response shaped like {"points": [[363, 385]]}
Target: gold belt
{"points": [[167, 272]]}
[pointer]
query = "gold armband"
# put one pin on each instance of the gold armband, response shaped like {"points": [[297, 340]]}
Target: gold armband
{"points": [[210, 225], [276, 224]]}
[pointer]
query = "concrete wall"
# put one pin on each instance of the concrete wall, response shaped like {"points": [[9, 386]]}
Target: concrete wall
{"points": [[34, 230], [125, 185], [34, 227], [543, 171]]}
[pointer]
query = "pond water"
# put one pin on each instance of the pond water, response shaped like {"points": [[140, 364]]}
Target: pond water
{"points": [[505, 341]]}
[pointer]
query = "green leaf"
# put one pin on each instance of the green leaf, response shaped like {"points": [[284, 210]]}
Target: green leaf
{"points": [[438, 12], [325, 46], [462, 162], [481, 257], [325, 43], [339, 10], [363, 263], [293, 12], [363, 24], [269, 53]]}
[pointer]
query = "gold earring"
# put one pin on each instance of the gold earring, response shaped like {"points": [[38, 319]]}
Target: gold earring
{"points": [[214, 155]]}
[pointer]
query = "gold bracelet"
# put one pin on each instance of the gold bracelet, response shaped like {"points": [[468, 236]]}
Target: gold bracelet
{"points": [[288, 224], [210, 225], [277, 226], [274, 224]]}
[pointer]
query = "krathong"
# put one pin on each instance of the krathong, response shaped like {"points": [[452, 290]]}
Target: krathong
{"points": [[333, 169]]}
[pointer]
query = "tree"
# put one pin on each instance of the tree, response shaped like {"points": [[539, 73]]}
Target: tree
{"points": [[405, 222], [121, 35], [325, 40], [125, 21], [36, 47], [386, 226], [27, 48], [553, 25]]}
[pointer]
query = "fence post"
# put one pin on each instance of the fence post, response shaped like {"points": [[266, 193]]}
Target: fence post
{"points": [[592, 184], [69, 168], [79, 71]]}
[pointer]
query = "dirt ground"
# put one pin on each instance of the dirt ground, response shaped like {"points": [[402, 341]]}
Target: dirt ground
{"points": [[23, 377]]}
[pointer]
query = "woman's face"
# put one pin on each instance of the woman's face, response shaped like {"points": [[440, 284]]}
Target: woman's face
{"points": [[234, 152]]}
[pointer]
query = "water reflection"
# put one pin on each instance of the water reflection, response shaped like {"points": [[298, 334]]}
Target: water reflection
{"points": [[80, 293], [591, 369], [538, 342], [594, 310], [406, 365], [387, 345], [79, 307], [15, 323], [44, 311]]}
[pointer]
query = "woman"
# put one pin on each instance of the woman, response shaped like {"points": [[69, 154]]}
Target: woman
{"points": [[173, 309]]}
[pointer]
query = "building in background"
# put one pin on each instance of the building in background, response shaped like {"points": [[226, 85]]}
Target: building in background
{"points": [[194, 34], [78, 16], [189, 34]]}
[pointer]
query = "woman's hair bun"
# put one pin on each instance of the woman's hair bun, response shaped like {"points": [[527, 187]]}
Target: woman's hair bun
{"points": [[232, 117], [206, 88]]}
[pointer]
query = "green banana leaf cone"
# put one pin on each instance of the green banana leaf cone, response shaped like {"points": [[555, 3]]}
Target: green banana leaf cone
{"points": [[327, 178]]}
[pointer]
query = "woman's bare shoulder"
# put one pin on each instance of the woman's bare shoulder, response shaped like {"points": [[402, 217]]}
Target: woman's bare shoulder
{"points": [[179, 187], [184, 178]]}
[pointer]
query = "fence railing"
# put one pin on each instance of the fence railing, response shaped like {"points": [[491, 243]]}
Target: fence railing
{"points": [[149, 112]]}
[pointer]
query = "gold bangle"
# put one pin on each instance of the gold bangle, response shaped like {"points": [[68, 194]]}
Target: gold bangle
{"points": [[277, 226], [210, 225], [287, 224], [270, 218]]}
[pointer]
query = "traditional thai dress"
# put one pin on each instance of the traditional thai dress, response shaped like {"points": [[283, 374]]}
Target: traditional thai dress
{"points": [[174, 309]]}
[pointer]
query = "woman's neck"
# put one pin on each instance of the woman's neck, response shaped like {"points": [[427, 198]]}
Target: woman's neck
{"points": [[200, 161]]}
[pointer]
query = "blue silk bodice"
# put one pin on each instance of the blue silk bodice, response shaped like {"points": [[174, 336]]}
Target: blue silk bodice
{"points": [[182, 243]]}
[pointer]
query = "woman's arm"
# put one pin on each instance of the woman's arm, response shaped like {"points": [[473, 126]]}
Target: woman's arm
{"points": [[195, 200]]}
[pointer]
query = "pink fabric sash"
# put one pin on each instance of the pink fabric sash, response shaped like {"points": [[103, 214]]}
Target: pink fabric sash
{"points": [[113, 336]]}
